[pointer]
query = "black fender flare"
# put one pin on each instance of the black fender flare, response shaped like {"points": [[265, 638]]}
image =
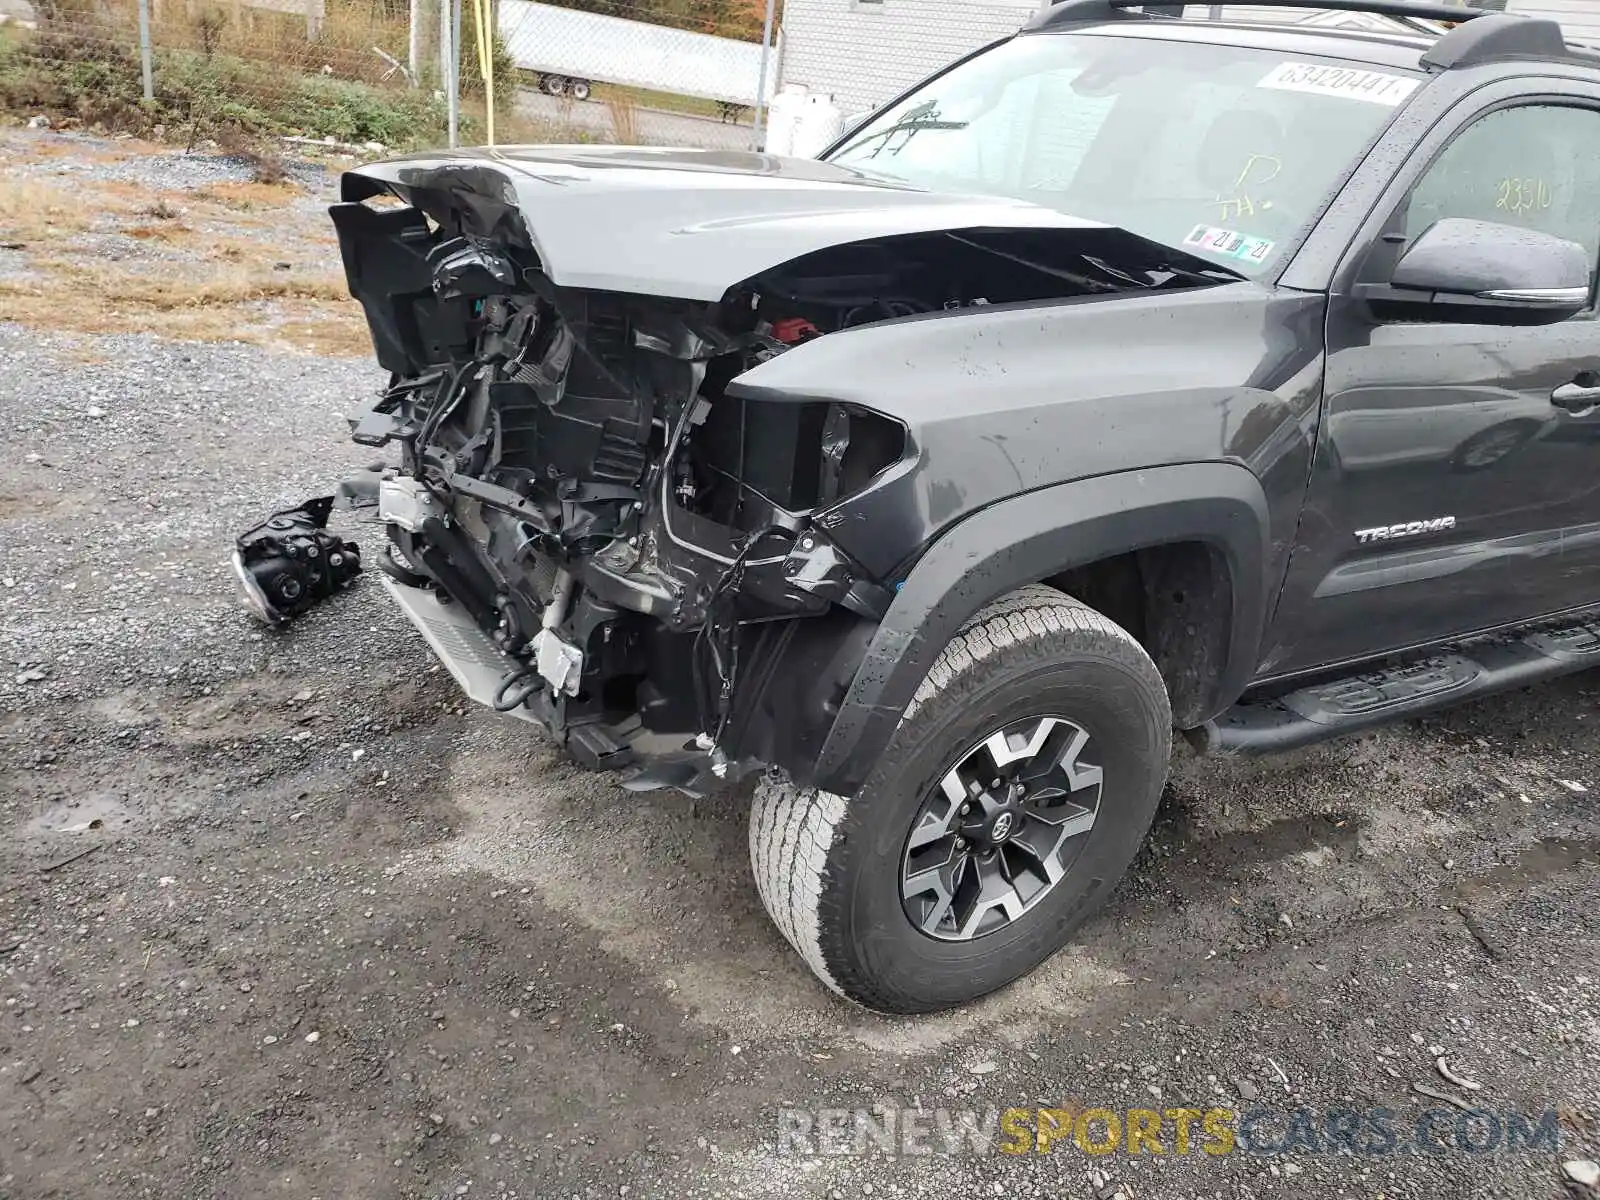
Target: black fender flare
{"points": [[1035, 536]]}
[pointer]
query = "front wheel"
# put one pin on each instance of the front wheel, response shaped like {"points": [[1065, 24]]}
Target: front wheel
{"points": [[1011, 799]]}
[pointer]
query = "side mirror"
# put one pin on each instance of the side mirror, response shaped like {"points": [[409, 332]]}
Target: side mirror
{"points": [[1480, 267]]}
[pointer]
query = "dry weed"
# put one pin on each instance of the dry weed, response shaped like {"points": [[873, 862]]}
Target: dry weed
{"points": [[266, 164], [160, 209], [32, 211], [169, 233], [624, 120], [235, 289], [247, 197], [219, 305], [350, 29]]}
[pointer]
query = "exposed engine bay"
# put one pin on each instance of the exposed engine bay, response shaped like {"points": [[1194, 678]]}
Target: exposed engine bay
{"points": [[650, 553]]}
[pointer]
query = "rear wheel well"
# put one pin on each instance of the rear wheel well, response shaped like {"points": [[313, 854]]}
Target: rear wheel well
{"points": [[1177, 600]]}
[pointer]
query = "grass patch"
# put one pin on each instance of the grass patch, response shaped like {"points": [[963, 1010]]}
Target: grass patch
{"points": [[171, 232], [327, 330], [221, 303], [215, 287], [246, 197], [225, 286], [118, 293], [694, 106], [33, 211], [350, 30]]}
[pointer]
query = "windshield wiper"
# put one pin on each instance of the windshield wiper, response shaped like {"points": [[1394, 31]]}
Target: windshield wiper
{"points": [[923, 116], [1111, 279], [1166, 270]]}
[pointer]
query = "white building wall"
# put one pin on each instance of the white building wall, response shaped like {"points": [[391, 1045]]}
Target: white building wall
{"points": [[866, 52], [1580, 19]]}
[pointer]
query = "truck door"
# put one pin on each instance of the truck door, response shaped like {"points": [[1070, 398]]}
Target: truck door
{"points": [[1456, 486]]}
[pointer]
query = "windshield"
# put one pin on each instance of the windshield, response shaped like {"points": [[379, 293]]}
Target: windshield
{"points": [[1224, 151]]}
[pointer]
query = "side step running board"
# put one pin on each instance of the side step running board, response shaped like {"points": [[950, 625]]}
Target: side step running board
{"points": [[1407, 689]]}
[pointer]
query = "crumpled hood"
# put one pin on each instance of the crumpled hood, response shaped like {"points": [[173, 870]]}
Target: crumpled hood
{"points": [[688, 224]]}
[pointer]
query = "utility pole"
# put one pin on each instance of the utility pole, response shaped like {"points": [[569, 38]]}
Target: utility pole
{"points": [[414, 42], [454, 100], [447, 71], [761, 83]]}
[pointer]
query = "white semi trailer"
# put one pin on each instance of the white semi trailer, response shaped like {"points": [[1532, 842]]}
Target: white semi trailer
{"points": [[568, 51]]}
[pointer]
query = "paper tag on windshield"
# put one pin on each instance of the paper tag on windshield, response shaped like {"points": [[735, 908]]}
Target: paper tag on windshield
{"points": [[1352, 83], [1226, 241]]}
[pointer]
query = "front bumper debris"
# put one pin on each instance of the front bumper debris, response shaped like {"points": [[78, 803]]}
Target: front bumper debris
{"points": [[489, 676]]}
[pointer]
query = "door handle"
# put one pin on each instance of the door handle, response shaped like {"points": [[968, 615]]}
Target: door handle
{"points": [[1582, 394]]}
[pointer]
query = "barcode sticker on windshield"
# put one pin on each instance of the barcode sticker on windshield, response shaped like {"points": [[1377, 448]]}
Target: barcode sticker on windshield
{"points": [[1353, 83]]}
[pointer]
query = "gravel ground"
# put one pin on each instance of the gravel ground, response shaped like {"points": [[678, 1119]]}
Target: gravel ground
{"points": [[73, 160], [173, 169], [333, 934]]}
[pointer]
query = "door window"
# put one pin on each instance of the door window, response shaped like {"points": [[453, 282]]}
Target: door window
{"points": [[1536, 166]]}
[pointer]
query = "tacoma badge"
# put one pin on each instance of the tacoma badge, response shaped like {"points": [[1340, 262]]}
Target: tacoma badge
{"points": [[1405, 529]]}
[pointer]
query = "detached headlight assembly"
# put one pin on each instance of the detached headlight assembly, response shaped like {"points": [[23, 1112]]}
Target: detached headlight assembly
{"points": [[290, 561]]}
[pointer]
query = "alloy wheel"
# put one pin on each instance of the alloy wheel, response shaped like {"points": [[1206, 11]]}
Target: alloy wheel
{"points": [[1001, 829]]}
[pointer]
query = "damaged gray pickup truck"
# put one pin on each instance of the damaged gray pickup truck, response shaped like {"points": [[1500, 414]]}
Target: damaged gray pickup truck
{"points": [[1133, 374]]}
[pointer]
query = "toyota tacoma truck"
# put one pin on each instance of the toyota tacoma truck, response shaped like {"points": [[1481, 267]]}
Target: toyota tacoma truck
{"points": [[1133, 375]]}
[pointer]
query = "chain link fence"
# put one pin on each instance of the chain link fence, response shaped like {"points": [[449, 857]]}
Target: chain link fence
{"points": [[631, 71], [369, 72], [197, 69]]}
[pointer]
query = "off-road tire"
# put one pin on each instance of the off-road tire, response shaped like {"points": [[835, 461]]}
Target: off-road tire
{"points": [[828, 867]]}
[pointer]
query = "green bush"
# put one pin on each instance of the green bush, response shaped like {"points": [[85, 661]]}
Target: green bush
{"points": [[352, 112], [207, 94], [471, 72]]}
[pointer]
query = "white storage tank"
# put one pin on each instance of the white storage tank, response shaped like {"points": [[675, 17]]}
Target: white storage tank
{"points": [[820, 124], [783, 118]]}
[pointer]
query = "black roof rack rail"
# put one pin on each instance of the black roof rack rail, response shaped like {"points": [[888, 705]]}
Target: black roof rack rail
{"points": [[1500, 36], [1074, 12], [1481, 35]]}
